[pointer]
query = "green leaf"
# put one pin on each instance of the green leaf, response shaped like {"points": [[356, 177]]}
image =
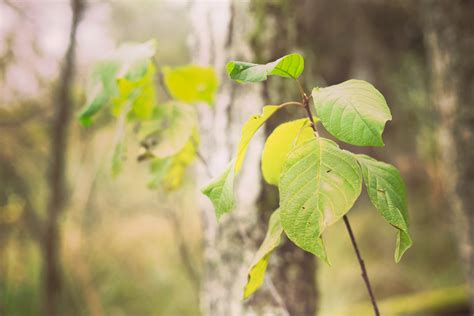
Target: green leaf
{"points": [[102, 87], [319, 183], [289, 66], [130, 62], [353, 111], [191, 83], [216, 187], [279, 144], [221, 191], [168, 134], [387, 193], [259, 265]]}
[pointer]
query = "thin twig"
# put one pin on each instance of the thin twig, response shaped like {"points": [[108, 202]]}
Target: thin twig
{"points": [[276, 296], [300, 87], [184, 253], [204, 163], [365, 276]]}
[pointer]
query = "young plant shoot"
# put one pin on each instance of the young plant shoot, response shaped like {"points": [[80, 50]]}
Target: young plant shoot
{"points": [[166, 126], [318, 181]]}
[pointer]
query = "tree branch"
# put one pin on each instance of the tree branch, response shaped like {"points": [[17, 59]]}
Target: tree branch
{"points": [[57, 170]]}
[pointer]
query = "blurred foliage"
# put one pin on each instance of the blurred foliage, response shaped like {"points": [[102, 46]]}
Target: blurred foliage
{"points": [[168, 132]]}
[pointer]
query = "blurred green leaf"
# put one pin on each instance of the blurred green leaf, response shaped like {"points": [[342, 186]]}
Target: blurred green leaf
{"points": [[166, 135], [131, 63], [139, 92], [192, 83], [169, 172], [289, 66], [133, 58], [102, 88], [319, 183], [353, 111], [387, 193], [259, 265], [176, 173], [221, 191], [158, 169]]}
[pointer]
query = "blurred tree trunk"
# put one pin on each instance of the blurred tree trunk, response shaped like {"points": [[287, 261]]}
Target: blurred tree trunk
{"points": [[449, 36], [57, 172], [230, 244]]}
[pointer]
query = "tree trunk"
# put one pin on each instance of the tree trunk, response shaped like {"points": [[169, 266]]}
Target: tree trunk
{"points": [[222, 33], [449, 36], [57, 173]]}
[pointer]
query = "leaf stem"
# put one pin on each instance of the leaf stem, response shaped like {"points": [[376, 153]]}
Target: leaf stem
{"points": [[207, 169], [363, 269], [300, 87], [364, 274], [308, 112], [292, 103]]}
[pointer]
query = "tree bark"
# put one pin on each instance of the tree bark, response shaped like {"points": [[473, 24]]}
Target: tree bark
{"points": [[449, 37], [222, 33], [57, 172]]}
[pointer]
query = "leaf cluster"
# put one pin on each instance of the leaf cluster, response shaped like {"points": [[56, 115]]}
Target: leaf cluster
{"points": [[165, 126], [318, 181]]}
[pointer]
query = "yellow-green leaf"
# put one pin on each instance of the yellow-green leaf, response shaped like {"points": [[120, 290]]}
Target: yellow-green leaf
{"points": [[221, 190], [259, 265], [249, 129], [130, 62], [167, 135], [169, 172], [175, 175], [191, 83], [139, 93], [279, 144]]}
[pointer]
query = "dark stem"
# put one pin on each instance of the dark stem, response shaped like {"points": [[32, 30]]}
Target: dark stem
{"points": [[364, 274], [308, 112]]}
